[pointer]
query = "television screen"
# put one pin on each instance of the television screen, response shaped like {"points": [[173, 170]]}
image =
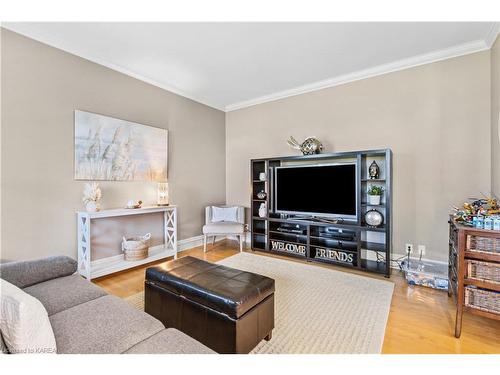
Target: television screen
{"points": [[328, 190]]}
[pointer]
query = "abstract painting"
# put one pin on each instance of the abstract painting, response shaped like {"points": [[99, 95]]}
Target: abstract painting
{"points": [[111, 149]]}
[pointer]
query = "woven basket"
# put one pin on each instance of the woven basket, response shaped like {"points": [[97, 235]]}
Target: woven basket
{"points": [[481, 299], [136, 248], [483, 244], [484, 271]]}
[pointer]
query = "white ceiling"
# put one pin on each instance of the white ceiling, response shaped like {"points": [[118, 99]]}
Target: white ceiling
{"points": [[234, 65]]}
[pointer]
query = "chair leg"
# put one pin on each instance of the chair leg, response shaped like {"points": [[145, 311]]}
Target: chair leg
{"points": [[205, 243], [213, 241], [241, 243]]}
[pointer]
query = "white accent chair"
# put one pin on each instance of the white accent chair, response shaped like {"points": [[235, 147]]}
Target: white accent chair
{"points": [[224, 228]]}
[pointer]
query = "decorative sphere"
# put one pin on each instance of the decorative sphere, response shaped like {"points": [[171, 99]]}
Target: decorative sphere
{"points": [[374, 218]]}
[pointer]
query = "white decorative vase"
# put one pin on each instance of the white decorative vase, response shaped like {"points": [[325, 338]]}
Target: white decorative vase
{"points": [[374, 199], [92, 206], [262, 210]]}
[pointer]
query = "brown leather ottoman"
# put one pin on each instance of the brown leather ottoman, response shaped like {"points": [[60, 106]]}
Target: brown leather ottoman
{"points": [[228, 310]]}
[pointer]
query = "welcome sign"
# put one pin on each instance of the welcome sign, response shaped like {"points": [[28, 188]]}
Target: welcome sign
{"points": [[336, 255], [288, 247]]}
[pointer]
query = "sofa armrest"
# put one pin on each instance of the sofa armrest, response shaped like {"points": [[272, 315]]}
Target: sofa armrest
{"points": [[25, 273]]}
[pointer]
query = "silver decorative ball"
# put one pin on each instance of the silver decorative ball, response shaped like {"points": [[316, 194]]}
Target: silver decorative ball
{"points": [[374, 218]]}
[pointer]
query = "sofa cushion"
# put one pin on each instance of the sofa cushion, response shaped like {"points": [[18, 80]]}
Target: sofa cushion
{"points": [[31, 272], [223, 228], [64, 292], [104, 325], [224, 214], [170, 341], [24, 323]]}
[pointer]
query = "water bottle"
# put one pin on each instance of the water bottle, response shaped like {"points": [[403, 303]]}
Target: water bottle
{"points": [[480, 222], [496, 223], [488, 223]]}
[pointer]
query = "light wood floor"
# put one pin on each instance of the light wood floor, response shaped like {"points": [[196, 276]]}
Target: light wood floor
{"points": [[421, 320]]}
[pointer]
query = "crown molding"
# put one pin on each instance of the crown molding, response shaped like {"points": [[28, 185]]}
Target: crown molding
{"points": [[119, 69], [460, 50], [456, 51], [493, 34]]}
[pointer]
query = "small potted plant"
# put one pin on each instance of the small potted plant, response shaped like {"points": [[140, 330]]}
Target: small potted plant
{"points": [[92, 197], [374, 194]]}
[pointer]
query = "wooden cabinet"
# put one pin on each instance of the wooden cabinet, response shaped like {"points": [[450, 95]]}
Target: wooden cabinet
{"points": [[474, 272]]}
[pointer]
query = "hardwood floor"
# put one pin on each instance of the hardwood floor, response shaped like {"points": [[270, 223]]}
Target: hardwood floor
{"points": [[421, 320]]}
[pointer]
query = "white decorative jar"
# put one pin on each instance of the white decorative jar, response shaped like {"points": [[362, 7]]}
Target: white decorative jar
{"points": [[92, 206], [374, 199], [262, 210]]}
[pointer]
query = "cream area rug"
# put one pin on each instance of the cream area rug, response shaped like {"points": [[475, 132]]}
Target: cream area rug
{"points": [[317, 310]]}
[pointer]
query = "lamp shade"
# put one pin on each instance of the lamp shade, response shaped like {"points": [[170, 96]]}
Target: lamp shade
{"points": [[162, 199]]}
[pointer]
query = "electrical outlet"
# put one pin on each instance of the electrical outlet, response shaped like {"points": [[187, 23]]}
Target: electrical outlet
{"points": [[409, 248], [421, 250]]}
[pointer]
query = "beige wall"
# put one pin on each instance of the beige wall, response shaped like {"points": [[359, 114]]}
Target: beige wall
{"points": [[495, 120], [41, 87], [434, 117]]}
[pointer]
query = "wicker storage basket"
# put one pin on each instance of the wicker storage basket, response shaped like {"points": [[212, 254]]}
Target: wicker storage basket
{"points": [[483, 244], [136, 248], [481, 299], [484, 271]]}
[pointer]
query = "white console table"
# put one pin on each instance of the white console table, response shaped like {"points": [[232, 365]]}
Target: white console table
{"points": [[91, 269]]}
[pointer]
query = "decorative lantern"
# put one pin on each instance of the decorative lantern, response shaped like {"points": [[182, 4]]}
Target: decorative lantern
{"points": [[162, 194]]}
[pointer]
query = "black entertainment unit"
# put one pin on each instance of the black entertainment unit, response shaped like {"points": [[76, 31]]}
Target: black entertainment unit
{"points": [[315, 205]]}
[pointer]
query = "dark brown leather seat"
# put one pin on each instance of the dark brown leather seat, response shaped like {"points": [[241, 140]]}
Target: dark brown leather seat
{"points": [[229, 310]]}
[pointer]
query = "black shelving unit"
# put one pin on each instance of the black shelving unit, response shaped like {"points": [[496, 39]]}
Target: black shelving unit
{"points": [[361, 247]]}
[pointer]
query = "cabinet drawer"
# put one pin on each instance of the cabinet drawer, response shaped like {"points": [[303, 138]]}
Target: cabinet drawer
{"points": [[483, 244], [482, 299], [483, 271]]}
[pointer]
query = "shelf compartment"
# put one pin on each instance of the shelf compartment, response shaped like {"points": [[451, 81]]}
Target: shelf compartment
{"points": [[335, 232], [275, 226], [259, 226], [289, 237], [334, 255], [259, 241], [334, 244], [373, 246], [258, 167], [373, 266]]}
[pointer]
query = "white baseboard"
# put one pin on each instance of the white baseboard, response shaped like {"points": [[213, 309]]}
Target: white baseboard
{"points": [[372, 256], [191, 242]]}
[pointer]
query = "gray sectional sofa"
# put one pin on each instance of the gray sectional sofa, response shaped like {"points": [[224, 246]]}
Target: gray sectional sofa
{"points": [[85, 319]]}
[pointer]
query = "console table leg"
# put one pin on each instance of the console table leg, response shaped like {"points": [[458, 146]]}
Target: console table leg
{"points": [[84, 246], [458, 322]]}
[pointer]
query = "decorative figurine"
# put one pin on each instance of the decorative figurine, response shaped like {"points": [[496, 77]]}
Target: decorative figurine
{"points": [[374, 218], [310, 146], [261, 194], [133, 204], [262, 210], [374, 171]]}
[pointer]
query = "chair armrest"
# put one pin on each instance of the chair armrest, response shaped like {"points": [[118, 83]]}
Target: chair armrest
{"points": [[31, 272]]}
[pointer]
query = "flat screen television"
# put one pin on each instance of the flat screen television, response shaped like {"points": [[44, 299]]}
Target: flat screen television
{"points": [[324, 190]]}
